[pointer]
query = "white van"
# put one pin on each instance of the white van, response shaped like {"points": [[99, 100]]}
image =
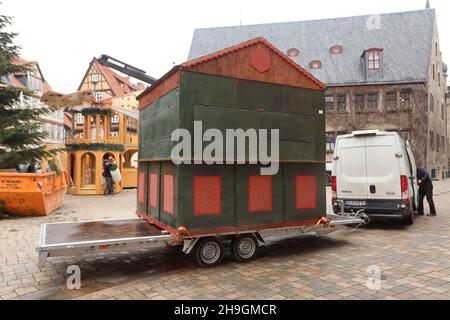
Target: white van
{"points": [[375, 171]]}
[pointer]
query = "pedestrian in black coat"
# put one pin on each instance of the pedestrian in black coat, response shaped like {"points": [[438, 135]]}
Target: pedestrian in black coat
{"points": [[425, 190]]}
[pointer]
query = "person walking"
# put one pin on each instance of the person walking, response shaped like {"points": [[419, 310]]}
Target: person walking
{"points": [[425, 190], [109, 185]]}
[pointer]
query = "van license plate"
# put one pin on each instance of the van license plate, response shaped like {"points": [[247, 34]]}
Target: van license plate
{"points": [[356, 203]]}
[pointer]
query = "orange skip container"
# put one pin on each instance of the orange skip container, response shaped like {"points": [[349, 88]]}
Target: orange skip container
{"points": [[32, 194]]}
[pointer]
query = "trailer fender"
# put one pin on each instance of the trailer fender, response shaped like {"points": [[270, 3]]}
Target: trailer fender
{"points": [[189, 244], [259, 237]]}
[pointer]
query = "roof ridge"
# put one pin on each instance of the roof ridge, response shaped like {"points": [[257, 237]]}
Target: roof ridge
{"points": [[323, 19]]}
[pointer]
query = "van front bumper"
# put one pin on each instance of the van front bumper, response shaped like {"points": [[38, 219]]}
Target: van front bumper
{"points": [[375, 208]]}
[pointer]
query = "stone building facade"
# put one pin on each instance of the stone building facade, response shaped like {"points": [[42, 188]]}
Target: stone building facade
{"points": [[381, 71]]}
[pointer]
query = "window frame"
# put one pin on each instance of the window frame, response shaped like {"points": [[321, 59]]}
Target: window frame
{"points": [[338, 103], [374, 59]]}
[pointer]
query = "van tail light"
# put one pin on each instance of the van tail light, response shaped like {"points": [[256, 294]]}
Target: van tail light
{"points": [[333, 184], [404, 187]]}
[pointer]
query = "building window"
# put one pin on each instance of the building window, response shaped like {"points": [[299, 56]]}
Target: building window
{"points": [[434, 72], [99, 96], [336, 50], [374, 58], [391, 100], [342, 103], [115, 119], [431, 140], [80, 118], [439, 79], [95, 78], [330, 141], [442, 111], [431, 103], [329, 103], [293, 52], [359, 102], [405, 99], [372, 101], [443, 143], [316, 64], [438, 142]]}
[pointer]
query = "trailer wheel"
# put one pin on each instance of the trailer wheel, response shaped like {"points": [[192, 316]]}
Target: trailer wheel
{"points": [[209, 252], [245, 248]]}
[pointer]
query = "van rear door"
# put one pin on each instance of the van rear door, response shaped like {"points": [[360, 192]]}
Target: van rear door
{"points": [[383, 167], [351, 168]]}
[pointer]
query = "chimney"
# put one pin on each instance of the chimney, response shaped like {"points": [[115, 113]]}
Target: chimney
{"points": [[427, 6]]}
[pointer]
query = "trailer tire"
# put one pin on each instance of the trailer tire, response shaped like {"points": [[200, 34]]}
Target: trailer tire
{"points": [[209, 252], [245, 248]]}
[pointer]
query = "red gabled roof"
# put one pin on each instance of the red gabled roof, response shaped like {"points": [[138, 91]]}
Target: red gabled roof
{"points": [[247, 44], [114, 80], [22, 62], [193, 63]]}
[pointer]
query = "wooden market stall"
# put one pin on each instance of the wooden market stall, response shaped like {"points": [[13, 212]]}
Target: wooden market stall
{"points": [[251, 85]]}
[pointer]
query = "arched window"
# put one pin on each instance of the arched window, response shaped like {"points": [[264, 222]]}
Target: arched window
{"points": [[374, 58]]}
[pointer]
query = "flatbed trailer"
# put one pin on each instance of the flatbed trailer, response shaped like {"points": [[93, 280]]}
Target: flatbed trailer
{"points": [[92, 237]]}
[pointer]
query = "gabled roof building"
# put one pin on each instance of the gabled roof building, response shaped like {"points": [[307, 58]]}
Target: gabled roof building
{"points": [[381, 71]]}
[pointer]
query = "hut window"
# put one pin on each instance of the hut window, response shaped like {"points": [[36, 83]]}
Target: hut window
{"points": [[316, 64], [153, 194], [115, 119], [260, 194], [293, 52], [207, 195], [141, 192], [168, 194], [306, 192], [336, 50], [80, 118], [99, 96]]}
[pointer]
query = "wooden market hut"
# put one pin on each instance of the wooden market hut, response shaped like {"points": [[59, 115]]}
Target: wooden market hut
{"points": [[250, 85]]}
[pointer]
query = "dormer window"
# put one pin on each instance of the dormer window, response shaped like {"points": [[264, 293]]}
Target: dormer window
{"points": [[293, 52], [336, 50], [316, 64], [374, 59]]}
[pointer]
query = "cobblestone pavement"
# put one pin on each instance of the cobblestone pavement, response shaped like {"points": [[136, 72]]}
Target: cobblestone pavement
{"points": [[414, 262]]}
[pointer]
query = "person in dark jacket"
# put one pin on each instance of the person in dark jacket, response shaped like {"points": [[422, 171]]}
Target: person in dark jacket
{"points": [[425, 190], [109, 185]]}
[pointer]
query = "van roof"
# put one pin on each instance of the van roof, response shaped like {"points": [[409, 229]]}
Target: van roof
{"points": [[365, 133]]}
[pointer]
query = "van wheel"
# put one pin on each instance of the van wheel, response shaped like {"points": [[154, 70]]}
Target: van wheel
{"points": [[209, 252], [409, 220], [245, 248]]}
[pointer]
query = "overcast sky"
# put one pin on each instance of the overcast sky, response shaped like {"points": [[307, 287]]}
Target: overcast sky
{"points": [[64, 35]]}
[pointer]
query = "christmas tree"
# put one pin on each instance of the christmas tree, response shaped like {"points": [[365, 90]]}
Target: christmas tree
{"points": [[21, 135]]}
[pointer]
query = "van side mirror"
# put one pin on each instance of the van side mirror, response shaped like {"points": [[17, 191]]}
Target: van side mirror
{"points": [[399, 155], [336, 158]]}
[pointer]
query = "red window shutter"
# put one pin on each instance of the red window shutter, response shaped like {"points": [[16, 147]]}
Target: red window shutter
{"points": [[141, 187], [207, 195], [260, 194], [168, 194], [306, 192], [153, 190]]}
